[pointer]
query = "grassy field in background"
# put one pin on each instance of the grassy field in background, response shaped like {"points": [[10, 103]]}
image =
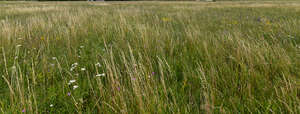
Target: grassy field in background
{"points": [[149, 57]]}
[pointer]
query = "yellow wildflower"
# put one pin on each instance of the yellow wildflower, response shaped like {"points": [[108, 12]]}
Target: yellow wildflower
{"points": [[42, 38], [165, 19]]}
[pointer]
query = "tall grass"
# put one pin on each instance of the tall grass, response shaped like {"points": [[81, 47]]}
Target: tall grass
{"points": [[149, 57]]}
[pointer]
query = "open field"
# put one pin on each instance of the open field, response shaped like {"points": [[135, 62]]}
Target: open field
{"points": [[150, 57]]}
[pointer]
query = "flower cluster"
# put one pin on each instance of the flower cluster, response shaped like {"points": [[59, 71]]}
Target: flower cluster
{"points": [[71, 81], [73, 66], [74, 86]]}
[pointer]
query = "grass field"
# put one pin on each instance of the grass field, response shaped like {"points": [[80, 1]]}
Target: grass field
{"points": [[149, 57]]}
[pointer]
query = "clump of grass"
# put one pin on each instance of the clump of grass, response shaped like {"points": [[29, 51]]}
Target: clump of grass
{"points": [[149, 58]]}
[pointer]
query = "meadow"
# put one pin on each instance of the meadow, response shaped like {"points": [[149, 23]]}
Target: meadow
{"points": [[150, 57]]}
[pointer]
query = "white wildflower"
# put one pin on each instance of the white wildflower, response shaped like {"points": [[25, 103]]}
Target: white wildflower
{"points": [[54, 58], [81, 46], [75, 86], [51, 105], [74, 64], [99, 75], [72, 81], [98, 64], [72, 68], [83, 69], [52, 65]]}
